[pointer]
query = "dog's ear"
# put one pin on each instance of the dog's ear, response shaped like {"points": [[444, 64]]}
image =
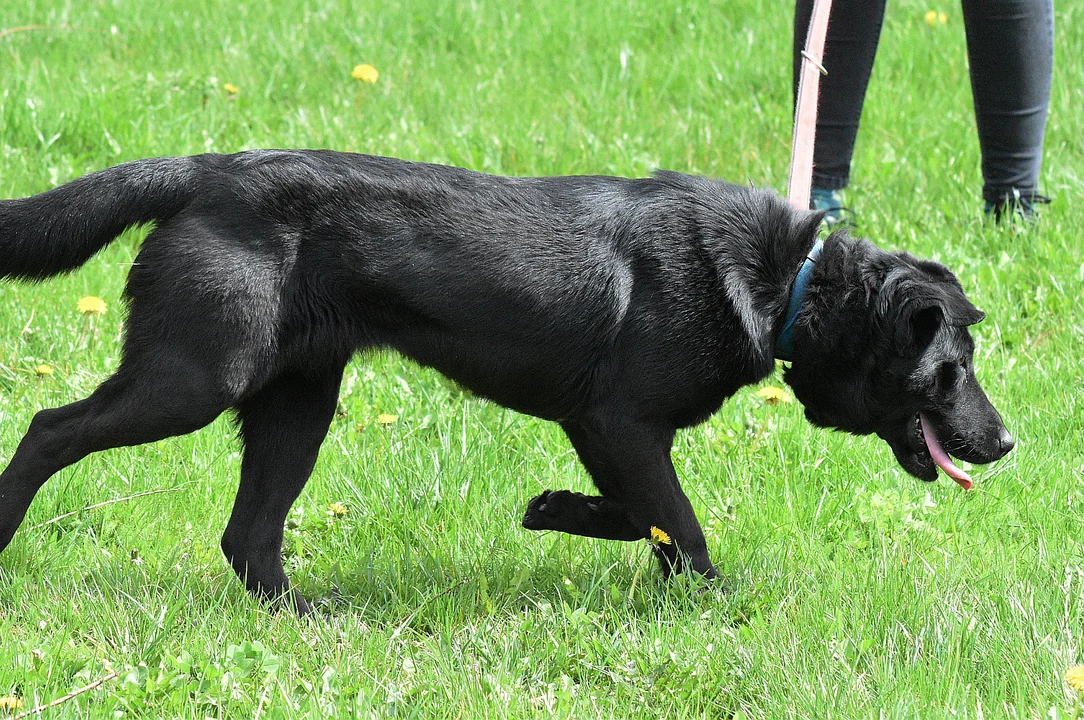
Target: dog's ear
{"points": [[919, 319], [916, 324], [916, 298], [959, 311], [943, 287], [920, 328]]}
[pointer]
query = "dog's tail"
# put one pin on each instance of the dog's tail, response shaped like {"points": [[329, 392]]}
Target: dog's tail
{"points": [[59, 230]]}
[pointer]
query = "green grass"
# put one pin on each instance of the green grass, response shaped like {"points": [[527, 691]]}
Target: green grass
{"points": [[855, 591]]}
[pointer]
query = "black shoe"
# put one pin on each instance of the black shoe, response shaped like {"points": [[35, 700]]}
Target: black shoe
{"points": [[831, 201], [1017, 206]]}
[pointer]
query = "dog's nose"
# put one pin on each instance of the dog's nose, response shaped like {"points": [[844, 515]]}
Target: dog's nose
{"points": [[1005, 442]]}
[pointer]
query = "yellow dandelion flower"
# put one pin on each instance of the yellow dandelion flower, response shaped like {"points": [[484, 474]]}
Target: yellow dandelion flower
{"points": [[659, 537], [775, 395], [366, 73], [1074, 677], [942, 18], [386, 419], [337, 509], [931, 17], [231, 88], [9, 702], [43, 370], [91, 305]]}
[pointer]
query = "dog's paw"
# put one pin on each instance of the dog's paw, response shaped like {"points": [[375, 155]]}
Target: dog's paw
{"points": [[579, 514], [546, 510], [292, 601], [536, 508]]}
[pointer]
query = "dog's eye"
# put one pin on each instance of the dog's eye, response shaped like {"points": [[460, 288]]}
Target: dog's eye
{"points": [[963, 362]]}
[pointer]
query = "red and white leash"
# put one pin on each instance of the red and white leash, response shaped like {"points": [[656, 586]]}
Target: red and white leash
{"points": [[805, 111]]}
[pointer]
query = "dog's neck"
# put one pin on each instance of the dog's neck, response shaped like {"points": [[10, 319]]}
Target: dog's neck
{"points": [[784, 343]]}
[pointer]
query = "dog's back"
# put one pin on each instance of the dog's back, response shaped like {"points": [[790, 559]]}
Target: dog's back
{"points": [[517, 287]]}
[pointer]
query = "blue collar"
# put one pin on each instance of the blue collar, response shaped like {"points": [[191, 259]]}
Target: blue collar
{"points": [[784, 344]]}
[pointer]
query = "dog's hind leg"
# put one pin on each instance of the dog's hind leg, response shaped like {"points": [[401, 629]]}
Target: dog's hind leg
{"points": [[141, 403], [282, 427], [630, 463]]}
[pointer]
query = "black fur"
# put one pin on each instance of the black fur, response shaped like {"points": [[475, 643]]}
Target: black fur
{"points": [[622, 309]]}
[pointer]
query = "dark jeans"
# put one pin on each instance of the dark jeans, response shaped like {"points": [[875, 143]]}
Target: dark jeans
{"points": [[1010, 47]]}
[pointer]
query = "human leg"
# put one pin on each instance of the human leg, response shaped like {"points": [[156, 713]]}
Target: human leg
{"points": [[854, 29], [1010, 45]]}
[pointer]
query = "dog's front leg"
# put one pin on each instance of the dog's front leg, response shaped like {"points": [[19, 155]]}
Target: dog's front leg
{"points": [[630, 463], [578, 514]]}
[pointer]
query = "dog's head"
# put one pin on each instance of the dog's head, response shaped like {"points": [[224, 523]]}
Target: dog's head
{"points": [[884, 343]]}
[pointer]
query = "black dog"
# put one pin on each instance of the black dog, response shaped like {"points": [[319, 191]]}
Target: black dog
{"points": [[621, 309]]}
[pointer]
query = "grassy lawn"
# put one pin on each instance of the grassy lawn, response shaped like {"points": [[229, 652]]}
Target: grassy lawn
{"points": [[855, 591]]}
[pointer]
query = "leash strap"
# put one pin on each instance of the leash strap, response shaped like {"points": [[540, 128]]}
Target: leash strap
{"points": [[805, 111]]}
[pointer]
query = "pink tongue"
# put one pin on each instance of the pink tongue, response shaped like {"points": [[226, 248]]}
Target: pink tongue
{"points": [[940, 456]]}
